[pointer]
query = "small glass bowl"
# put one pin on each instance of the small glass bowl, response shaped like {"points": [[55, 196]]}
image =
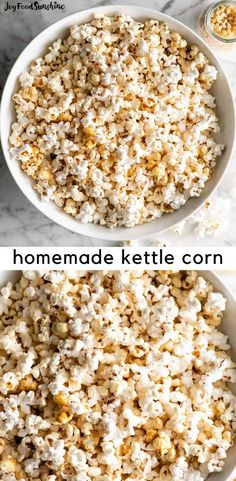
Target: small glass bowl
{"points": [[205, 27]]}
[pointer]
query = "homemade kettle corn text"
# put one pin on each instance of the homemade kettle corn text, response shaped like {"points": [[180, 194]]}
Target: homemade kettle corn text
{"points": [[113, 376], [115, 124]]}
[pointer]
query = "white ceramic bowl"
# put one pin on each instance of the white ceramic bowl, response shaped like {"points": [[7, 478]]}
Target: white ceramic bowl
{"points": [[225, 106], [228, 327]]}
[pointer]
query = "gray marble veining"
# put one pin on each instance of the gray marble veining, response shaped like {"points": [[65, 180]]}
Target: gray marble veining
{"points": [[20, 223]]}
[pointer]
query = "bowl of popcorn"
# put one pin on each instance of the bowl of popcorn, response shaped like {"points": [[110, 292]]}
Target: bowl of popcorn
{"points": [[117, 122], [117, 376]]}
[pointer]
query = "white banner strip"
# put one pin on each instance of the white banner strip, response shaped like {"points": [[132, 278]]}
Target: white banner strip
{"points": [[113, 258]]}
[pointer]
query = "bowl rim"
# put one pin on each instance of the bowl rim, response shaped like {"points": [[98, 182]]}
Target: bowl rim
{"points": [[56, 214]]}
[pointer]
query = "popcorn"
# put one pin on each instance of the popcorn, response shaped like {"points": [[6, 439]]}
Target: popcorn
{"points": [[114, 375], [116, 123], [26, 80], [215, 302], [77, 459], [212, 218]]}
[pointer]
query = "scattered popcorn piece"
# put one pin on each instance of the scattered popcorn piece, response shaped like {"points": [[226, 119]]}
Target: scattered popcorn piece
{"points": [[179, 228], [160, 243], [212, 219], [129, 243]]}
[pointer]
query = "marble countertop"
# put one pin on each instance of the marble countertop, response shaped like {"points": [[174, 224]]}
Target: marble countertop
{"points": [[20, 223]]}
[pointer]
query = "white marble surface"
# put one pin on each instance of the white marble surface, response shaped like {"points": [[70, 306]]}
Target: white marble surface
{"points": [[20, 223]]}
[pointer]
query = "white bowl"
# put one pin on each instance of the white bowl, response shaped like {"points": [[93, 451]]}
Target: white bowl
{"points": [[225, 106], [228, 327]]}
